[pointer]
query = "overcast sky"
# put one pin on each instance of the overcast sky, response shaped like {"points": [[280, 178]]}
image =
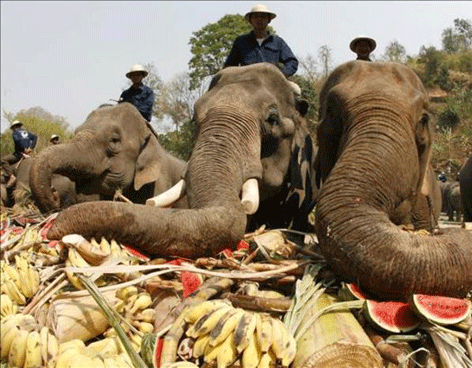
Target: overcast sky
{"points": [[68, 57]]}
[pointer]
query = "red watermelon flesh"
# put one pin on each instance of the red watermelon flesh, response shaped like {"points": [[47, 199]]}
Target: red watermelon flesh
{"points": [[442, 310], [395, 317], [353, 292]]}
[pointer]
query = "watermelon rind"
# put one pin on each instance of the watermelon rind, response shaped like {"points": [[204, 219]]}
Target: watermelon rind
{"points": [[441, 310], [351, 292], [391, 316]]}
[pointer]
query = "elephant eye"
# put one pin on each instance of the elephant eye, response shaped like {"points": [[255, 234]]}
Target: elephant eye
{"points": [[273, 118]]}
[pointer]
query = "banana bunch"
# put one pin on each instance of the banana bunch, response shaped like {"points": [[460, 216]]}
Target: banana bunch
{"points": [[134, 306], [98, 354], [26, 344], [223, 335], [7, 306], [19, 281]]}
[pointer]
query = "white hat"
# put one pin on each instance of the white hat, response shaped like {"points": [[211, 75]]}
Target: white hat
{"points": [[260, 8], [53, 136], [16, 122], [137, 68], [371, 42]]}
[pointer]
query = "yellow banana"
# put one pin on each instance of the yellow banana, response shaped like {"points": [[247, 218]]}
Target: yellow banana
{"points": [[290, 350], [183, 364], [211, 354], [7, 339], [203, 308], [33, 279], [105, 246], [67, 356], [17, 354], [244, 330], [43, 342], [264, 331], [10, 288], [145, 327], [252, 354], [147, 315], [74, 280], [76, 259], [97, 362], [7, 306], [80, 361], [22, 267], [279, 338], [116, 249], [53, 348], [126, 292], [71, 344], [208, 323], [106, 347], [12, 273], [33, 351], [200, 345], [225, 326], [142, 302], [136, 341], [268, 360], [227, 353]]}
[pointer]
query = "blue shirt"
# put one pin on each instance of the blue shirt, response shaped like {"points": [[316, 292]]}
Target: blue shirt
{"points": [[141, 97], [23, 139], [246, 51]]}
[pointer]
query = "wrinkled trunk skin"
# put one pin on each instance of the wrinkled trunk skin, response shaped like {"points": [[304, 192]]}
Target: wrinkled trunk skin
{"points": [[354, 227], [73, 160], [216, 220]]}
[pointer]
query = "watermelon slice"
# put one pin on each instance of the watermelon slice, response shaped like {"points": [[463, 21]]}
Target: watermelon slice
{"points": [[442, 310], [395, 317], [352, 292]]}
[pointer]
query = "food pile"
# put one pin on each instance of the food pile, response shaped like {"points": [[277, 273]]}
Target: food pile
{"points": [[272, 302]]}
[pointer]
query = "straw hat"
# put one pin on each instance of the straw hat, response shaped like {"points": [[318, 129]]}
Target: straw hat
{"points": [[15, 123], [371, 42], [53, 136], [137, 68], [260, 8]]}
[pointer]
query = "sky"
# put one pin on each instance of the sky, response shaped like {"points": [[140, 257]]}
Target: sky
{"points": [[68, 57]]}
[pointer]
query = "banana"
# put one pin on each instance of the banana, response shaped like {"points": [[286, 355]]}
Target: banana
{"points": [[142, 302], [200, 345], [97, 362], [126, 292], [10, 288], [203, 308], [211, 354], [106, 347], [244, 330], [279, 338], [7, 340], [147, 315], [71, 344], [105, 246], [290, 350], [225, 326], [7, 307], [33, 356], [80, 361], [264, 331], [53, 348], [227, 353], [22, 267], [183, 364], [12, 273], [208, 323], [33, 279], [43, 342], [17, 354], [268, 360], [67, 356], [76, 259], [116, 249], [252, 354], [145, 327], [74, 280]]}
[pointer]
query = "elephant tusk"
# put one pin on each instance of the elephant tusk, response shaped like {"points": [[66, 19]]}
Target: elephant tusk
{"points": [[170, 196], [250, 196]]}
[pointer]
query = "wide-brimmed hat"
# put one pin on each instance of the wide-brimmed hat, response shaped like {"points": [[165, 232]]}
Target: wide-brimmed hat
{"points": [[15, 123], [260, 8], [371, 42], [53, 137], [137, 68]]}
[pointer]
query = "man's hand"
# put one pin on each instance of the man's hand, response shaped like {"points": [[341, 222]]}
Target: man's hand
{"points": [[27, 151]]}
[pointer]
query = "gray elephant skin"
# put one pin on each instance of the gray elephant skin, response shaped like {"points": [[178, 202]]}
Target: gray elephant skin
{"points": [[452, 200], [374, 142], [465, 180], [250, 126], [113, 150]]}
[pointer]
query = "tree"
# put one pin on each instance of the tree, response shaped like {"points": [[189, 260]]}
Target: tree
{"points": [[458, 38], [40, 122], [324, 53], [211, 45], [395, 52]]}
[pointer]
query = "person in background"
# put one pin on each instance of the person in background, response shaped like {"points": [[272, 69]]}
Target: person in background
{"points": [[54, 139], [260, 46], [139, 94], [363, 46], [25, 142]]}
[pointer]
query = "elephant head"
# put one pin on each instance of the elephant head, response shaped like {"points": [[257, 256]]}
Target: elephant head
{"points": [[114, 149], [250, 129], [374, 147]]}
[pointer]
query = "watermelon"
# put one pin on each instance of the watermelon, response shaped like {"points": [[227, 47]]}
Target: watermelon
{"points": [[352, 292], [391, 316], [442, 310]]}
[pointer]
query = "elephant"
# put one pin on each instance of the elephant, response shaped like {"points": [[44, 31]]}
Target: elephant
{"points": [[453, 201], [253, 157], [374, 140], [114, 151], [465, 180]]}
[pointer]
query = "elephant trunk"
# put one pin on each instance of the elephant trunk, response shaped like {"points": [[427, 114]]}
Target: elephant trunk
{"points": [[73, 160], [355, 229], [221, 161]]}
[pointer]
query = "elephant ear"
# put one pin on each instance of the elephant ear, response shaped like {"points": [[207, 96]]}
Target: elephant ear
{"points": [[148, 165]]}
